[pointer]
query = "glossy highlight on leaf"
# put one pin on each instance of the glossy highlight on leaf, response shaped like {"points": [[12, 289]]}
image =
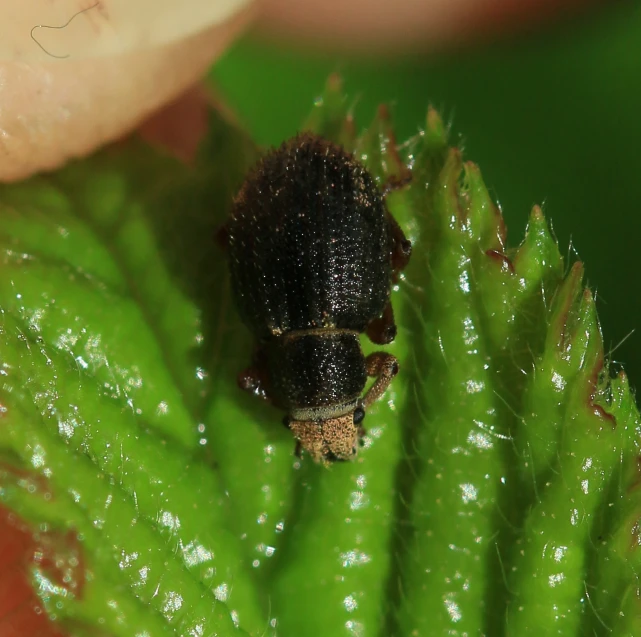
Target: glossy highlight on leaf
{"points": [[497, 491]]}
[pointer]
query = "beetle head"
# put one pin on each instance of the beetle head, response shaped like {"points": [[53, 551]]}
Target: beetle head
{"points": [[330, 439]]}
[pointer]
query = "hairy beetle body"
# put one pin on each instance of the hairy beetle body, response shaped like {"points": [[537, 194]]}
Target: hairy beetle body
{"points": [[313, 252]]}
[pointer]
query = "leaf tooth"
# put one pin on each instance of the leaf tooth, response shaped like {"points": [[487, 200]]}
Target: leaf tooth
{"points": [[587, 356], [617, 399], [426, 153], [460, 450], [561, 315], [436, 134], [413, 207], [564, 378], [331, 116], [378, 149], [484, 220], [447, 206], [538, 258]]}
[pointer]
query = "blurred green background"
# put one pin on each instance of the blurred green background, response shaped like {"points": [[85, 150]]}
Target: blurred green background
{"points": [[552, 117]]}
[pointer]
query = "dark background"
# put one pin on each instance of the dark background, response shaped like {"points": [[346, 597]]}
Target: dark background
{"points": [[551, 117]]}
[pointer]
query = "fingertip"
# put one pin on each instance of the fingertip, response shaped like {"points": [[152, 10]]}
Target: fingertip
{"points": [[53, 112]]}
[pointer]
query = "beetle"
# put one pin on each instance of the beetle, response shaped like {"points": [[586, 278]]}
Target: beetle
{"points": [[313, 252]]}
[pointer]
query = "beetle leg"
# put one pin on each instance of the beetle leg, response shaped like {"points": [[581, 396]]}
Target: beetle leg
{"points": [[382, 330], [384, 367], [298, 451], [396, 182]]}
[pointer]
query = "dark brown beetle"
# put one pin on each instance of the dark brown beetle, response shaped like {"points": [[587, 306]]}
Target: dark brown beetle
{"points": [[313, 253]]}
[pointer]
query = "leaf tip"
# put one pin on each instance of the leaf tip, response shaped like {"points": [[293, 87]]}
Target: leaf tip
{"points": [[435, 132], [537, 218], [334, 83]]}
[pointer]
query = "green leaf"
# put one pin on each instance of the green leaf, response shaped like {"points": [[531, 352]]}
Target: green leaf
{"points": [[497, 489], [104, 349]]}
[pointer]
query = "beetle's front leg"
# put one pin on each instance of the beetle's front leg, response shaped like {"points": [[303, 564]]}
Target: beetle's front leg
{"points": [[396, 182], [382, 330], [383, 367]]}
